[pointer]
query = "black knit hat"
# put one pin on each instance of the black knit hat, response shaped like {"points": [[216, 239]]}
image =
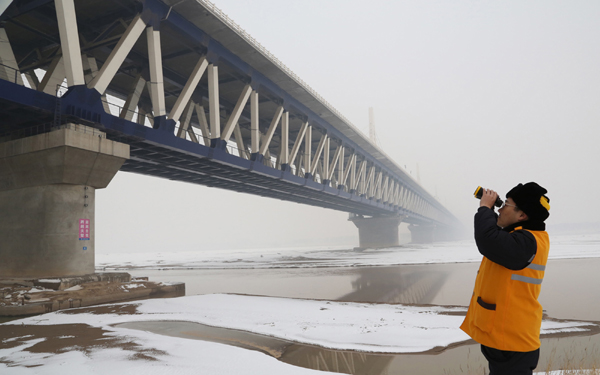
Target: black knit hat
{"points": [[531, 199]]}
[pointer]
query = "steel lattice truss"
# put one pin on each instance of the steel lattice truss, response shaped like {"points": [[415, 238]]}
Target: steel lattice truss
{"points": [[202, 102]]}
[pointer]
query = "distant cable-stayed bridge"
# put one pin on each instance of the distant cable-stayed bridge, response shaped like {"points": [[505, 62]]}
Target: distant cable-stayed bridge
{"points": [[203, 102]]}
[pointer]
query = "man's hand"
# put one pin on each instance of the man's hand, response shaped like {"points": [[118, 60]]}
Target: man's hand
{"points": [[488, 199]]}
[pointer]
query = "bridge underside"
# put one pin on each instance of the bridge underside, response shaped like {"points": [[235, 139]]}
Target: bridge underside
{"points": [[158, 153], [253, 178], [194, 99], [203, 103], [150, 160]]}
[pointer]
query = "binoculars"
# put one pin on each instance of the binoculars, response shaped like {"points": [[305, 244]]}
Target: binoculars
{"points": [[479, 193]]}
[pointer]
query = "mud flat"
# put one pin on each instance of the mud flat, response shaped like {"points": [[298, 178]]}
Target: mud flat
{"points": [[559, 350], [19, 298], [356, 338]]}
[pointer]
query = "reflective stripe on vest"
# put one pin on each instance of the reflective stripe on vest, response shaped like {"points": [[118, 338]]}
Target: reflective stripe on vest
{"points": [[536, 267], [530, 280], [526, 279]]}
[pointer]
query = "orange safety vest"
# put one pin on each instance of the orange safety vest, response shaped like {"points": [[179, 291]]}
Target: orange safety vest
{"points": [[504, 312]]}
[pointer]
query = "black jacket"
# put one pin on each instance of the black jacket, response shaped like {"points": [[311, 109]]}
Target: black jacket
{"points": [[515, 250]]}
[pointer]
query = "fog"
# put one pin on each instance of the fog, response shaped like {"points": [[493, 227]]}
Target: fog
{"points": [[465, 93]]}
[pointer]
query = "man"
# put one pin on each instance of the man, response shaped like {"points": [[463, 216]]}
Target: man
{"points": [[504, 314]]}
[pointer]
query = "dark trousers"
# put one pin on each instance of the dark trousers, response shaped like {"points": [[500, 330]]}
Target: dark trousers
{"points": [[510, 363]]}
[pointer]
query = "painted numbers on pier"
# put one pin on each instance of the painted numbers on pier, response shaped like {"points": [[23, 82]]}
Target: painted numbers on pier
{"points": [[84, 229]]}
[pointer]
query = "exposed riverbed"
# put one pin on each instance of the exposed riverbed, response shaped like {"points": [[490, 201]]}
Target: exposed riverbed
{"points": [[562, 296], [579, 351], [439, 274], [568, 291]]}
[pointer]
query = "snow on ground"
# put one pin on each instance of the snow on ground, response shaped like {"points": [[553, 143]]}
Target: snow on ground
{"points": [[173, 356], [338, 325], [355, 326], [562, 247]]}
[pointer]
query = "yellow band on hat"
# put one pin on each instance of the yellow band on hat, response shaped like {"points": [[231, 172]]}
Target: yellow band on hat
{"points": [[544, 202]]}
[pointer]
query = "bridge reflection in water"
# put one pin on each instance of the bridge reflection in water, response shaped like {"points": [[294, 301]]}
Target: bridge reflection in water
{"points": [[409, 285], [387, 285], [417, 284], [337, 361], [380, 285], [462, 359]]}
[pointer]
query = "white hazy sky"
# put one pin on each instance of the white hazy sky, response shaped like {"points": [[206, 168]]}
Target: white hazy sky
{"points": [[465, 93]]}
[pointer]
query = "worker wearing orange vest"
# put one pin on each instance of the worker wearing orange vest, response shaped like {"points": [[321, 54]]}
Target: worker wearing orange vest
{"points": [[504, 315]]}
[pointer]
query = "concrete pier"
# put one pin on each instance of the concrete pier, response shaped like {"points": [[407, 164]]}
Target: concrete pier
{"points": [[421, 233], [47, 200], [378, 231]]}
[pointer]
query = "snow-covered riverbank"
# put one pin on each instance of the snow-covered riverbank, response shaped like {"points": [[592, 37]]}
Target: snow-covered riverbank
{"points": [[562, 247], [87, 341], [338, 325]]}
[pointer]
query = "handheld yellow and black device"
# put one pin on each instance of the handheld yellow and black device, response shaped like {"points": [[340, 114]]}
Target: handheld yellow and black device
{"points": [[479, 193]]}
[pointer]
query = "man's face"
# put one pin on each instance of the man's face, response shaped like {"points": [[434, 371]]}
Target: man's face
{"points": [[508, 214]]}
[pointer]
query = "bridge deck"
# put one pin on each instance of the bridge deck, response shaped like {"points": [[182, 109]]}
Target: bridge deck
{"points": [[187, 120]]}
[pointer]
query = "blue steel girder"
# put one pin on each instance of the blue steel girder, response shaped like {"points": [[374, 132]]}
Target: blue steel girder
{"points": [[190, 31]]}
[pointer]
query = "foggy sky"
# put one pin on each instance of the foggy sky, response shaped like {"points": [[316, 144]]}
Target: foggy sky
{"points": [[465, 93]]}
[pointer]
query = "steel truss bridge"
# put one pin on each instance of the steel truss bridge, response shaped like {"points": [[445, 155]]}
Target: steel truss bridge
{"points": [[202, 102]]}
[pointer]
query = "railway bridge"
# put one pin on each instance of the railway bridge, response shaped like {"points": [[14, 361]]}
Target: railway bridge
{"points": [[172, 89]]}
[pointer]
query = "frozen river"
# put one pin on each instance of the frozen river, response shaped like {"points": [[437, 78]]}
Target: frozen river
{"points": [[568, 291], [318, 286]]}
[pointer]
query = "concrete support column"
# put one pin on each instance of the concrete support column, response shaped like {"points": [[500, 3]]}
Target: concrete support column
{"points": [[54, 76], [118, 55], [184, 97], [341, 179], [266, 141], [47, 200], [421, 233], [133, 99], [214, 109], [284, 150], [232, 122], [325, 174], [254, 123], [377, 232], [203, 124], [69, 40], [308, 153], [157, 86], [297, 144]]}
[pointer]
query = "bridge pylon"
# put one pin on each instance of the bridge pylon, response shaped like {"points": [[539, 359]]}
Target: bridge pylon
{"points": [[377, 231], [422, 233], [48, 183]]}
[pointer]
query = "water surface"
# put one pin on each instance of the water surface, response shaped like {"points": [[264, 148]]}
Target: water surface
{"points": [[569, 290], [575, 352]]}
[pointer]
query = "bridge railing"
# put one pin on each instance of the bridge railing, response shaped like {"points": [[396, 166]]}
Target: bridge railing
{"points": [[8, 73], [48, 127], [11, 74], [117, 110]]}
